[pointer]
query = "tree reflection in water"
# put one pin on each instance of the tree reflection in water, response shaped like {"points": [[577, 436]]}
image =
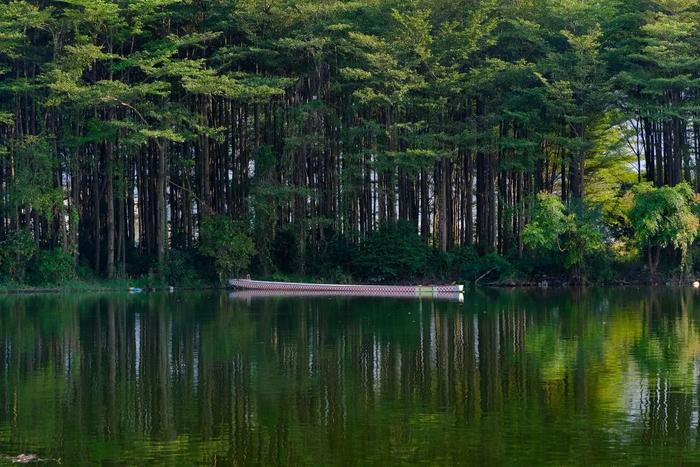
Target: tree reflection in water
{"points": [[535, 377]]}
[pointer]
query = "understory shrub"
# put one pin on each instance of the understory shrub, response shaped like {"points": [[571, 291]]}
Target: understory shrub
{"points": [[665, 217], [187, 268], [227, 244], [285, 251], [467, 265], [15, 254], [139, 264], [393, 253], [488, 268], [52, 267], [570, 236], [695, 258], [336, 260]]}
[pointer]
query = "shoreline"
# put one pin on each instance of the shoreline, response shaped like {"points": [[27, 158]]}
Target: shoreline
{"points": [[559, 283], [512, 285], [98, 289]]}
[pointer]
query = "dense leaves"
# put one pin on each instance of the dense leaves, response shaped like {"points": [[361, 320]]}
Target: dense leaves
{"points": [[573, 235], [125, 124], [393, 253], [663, 217], [52, 267], [227, 244], [15, 253]]}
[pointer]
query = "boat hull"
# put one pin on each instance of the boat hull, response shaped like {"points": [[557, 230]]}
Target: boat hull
{"points": [[350, 289]]}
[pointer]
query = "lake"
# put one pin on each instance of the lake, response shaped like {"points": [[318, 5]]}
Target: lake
{"points": [[507, 377]]}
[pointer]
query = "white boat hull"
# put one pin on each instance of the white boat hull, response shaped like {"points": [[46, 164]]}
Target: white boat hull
{"points": [[421, 291]]}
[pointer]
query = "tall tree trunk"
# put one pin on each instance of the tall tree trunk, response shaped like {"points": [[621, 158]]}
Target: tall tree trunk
{"points": [[442, 200], [205, 193], [161, 213], [97, 217], [109, 199]]}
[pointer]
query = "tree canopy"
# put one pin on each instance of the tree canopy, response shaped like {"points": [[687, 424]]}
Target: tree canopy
{"points": [[125, 124]]}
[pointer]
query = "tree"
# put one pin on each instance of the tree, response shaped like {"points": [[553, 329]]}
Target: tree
{"points": [[125, 124], [227, 244], [15, 254], [663, 217], [575, 233], [392, 254]]}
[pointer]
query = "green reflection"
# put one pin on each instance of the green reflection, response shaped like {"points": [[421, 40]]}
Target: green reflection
{"points": [[201, 378]]}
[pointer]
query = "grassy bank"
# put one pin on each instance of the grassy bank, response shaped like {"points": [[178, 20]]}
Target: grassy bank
{"points": [[99, 285]]}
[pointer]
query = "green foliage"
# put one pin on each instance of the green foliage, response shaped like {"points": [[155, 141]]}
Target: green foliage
{"points": [[549, 222], [266, 199], [574, 235], [15, 254], [137, 264], [666, 216], [336, 260], [187, 268], [583, 237], [32, 184], [466, 264], [393, 253], [317, 121], [52, 267], [227, 244]]}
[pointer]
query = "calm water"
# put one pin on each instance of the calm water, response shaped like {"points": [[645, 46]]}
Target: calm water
{"points": [[505, 378]]}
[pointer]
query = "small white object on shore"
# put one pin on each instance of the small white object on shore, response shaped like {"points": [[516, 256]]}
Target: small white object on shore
{"points": [[171, 288], [696, 284]]}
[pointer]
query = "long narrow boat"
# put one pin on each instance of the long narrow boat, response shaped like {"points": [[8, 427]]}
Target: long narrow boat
{"points": [[422, 291]]}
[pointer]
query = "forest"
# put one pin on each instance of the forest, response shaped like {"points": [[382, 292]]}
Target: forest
{"points": [[495, 141]]}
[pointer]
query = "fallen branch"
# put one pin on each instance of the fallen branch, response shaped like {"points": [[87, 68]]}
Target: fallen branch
{"points": [[484, 275]]}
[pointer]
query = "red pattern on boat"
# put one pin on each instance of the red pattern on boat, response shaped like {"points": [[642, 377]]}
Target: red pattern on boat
{"points": [[348, 289]]}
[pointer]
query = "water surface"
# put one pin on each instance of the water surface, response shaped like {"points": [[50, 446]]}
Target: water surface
{"points": [[531, 378]]}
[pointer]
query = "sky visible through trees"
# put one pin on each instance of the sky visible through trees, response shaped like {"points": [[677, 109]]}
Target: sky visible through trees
{"points": [[127, 125]]}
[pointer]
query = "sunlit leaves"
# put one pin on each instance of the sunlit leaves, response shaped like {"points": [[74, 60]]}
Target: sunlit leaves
{"points": [[7, 118], [33, 184], [666, 216], [227, 244], [573, 232], [165, 134], [99, 13], [16, 17], [549, 221]]}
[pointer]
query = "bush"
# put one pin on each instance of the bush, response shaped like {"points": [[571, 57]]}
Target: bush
{"points": [[573, 235], [335, 261], [52, 267], [285, 251], [665, 217], [15, 254], [138, 263], [489, 268], [603, 268], [393, 253], [227, 244], [467, 265], [187, 267]]}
